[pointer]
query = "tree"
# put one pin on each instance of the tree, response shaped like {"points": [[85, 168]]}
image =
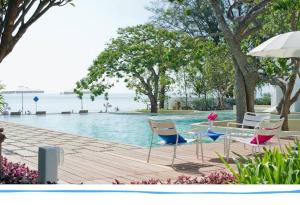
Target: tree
{"points": [[235, 21], [249, 19], [208, 70], [17, 16], [142, 56], [183, 84], [220, 72], [243, 25], [284, 16], [106, 104], [191, 16]]}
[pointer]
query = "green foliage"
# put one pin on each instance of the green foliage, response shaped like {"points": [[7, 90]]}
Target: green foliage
{"points": [[264, 100], [210, 71], [270, 167], [2, 101], [203, 104], [143, 56], [211, 104], [282, 16], [191, 16]]}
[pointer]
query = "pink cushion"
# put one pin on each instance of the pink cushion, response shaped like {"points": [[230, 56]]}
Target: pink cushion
{"points": [[261, 139]]}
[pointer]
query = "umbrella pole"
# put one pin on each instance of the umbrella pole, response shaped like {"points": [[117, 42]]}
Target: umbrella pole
{"points": [[22, 103]]}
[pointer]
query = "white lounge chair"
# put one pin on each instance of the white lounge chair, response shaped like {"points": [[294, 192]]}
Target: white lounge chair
{"points": [[165, 128], [259, 137]]}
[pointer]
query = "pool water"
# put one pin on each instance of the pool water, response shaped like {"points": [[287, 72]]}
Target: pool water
{"points": [[130, 129]]}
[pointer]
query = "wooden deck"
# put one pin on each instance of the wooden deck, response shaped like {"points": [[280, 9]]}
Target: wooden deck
{"points": [[92, 161]]}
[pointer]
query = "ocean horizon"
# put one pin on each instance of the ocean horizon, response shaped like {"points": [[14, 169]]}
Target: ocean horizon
{"points": [[56, 102]]}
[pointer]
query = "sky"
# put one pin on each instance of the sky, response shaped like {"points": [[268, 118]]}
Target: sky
{"points": [[57, 50]]}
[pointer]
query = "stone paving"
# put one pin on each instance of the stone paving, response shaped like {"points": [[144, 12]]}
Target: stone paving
{"points": [[93, 161]]}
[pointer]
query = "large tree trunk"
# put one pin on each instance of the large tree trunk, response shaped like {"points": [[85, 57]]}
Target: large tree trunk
{"points": [[285, 113], [185, 91], [153, 104], [279, 107], [285, 109], [153, 97], [205, 101], [245, 73], [162, 87], [244, 93], [240, 97], [162, 97]]}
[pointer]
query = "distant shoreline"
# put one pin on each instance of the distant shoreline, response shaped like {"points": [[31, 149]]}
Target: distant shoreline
{"points": [[20, 92]]}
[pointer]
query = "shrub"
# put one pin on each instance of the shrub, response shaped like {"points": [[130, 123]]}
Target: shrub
{"points": [[264, 100], [218, 177], [270, 167], [211, 104], [202, 104], [16, 173]]}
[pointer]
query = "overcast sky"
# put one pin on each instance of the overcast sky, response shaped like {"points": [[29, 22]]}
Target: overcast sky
{"points": [[57, 50]]}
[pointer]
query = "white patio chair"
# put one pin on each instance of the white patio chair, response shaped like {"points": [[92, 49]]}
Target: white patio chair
{"points": [[250, 121], [260, 136], [165, 128]]}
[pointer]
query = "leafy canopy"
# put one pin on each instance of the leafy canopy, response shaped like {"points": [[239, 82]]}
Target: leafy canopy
{"points": [[138, 56]]}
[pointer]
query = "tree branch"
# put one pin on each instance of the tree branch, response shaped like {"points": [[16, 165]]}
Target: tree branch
{"points": [[21, 15], [249, 31], [295, 97], [251, 15], [15, 20], [274, 81]]}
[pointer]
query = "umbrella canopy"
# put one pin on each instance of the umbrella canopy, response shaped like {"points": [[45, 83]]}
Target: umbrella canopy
{"points": [[285, 45], [25, 89], [22, 89]]}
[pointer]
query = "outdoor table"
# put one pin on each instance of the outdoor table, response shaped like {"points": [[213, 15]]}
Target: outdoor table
{"points": [[201, 134]]}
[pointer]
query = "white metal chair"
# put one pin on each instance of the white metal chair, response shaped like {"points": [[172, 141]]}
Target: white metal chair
{"points": [[166, 128], [258, 137], [250, 121]]}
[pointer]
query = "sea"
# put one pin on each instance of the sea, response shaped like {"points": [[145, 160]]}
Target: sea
{"points": [[57, 103]]}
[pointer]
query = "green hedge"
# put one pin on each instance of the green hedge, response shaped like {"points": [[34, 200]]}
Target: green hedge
{"points": [[264, 100], [210, 104]]}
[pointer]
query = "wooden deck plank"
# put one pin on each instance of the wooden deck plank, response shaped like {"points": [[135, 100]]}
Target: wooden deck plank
{"points": [[93, 161]]}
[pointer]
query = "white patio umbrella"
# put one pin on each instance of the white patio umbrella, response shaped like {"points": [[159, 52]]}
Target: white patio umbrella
{"points": [[285, 45], [22, 90]]}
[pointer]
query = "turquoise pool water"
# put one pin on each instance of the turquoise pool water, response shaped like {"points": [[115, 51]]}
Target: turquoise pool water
{"points": [[123, 128]]}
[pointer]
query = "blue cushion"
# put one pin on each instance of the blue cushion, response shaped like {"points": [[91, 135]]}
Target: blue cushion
{"points": [[171, 139], [213, 135]]}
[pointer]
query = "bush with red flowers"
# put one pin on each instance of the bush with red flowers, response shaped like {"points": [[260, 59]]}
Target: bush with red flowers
{"points": [[217, 177], [16, 173]]}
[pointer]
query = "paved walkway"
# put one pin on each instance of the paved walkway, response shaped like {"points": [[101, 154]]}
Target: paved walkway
{"points": [[92, 161]]}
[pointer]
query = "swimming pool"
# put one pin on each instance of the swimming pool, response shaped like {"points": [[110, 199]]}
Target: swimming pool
{"points": [[130, 129]]}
